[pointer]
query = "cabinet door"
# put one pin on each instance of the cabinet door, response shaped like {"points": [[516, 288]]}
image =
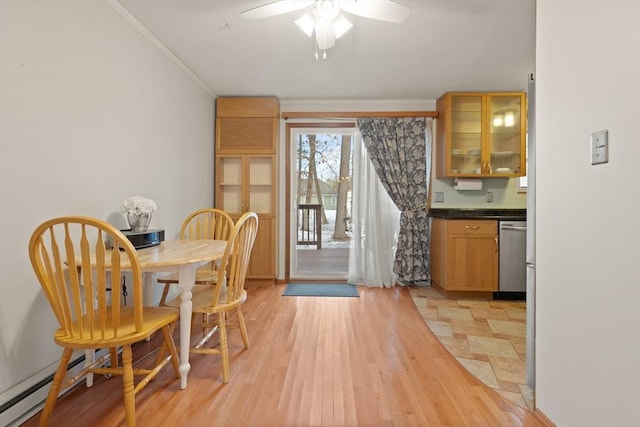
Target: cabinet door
{"points": [[230, 192], [260, 184], [472, 255], [262, 265], [245, 183], [459, 135], [472, 262], [506, 124], [246, 134], [466, 134], [247, 125]]}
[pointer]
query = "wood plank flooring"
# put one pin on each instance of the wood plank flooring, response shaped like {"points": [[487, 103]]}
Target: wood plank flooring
{"points": [[367, 361]]}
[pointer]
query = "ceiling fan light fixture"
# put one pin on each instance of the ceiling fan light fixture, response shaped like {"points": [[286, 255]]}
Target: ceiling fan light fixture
{"points": [[324, 17], [325, 34]]}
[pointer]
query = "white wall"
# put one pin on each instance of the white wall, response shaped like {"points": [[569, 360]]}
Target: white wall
{"points": [[90, 113], [588, 240]]}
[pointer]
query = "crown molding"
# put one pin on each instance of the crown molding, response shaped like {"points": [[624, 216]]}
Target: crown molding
{"points": [[118, 7]]}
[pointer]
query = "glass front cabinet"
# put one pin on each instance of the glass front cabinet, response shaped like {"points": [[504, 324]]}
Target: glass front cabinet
{"points": [[481, 135], [246, 173]]}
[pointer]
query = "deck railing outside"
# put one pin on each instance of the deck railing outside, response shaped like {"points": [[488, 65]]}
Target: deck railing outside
{"points": [[310, 225]]}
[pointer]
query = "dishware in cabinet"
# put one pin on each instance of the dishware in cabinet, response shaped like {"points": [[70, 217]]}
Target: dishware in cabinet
{"points": [[481, 134]]}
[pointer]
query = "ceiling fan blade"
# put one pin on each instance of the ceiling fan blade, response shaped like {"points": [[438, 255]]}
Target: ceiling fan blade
{"points": [[383, 10], [276, 8]]}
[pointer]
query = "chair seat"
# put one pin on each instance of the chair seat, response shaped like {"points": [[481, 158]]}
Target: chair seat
{"points": [[154, 319], [202, 296]]}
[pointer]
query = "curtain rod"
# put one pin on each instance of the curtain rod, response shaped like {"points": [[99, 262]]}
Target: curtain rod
{"points": [[355, 114]]}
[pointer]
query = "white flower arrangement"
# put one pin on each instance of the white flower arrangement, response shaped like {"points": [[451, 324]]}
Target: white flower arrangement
{"points": [[138, 205]]}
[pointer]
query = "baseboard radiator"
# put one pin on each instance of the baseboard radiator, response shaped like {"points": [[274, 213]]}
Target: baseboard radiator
{"points": [[22, 401]]}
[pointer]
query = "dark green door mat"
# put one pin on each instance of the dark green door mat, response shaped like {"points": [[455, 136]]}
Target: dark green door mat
{"points": [[320, 290]]}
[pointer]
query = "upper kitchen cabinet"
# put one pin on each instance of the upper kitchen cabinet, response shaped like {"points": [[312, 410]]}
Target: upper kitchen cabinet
{"points": [[247, 125], [481, 135]]}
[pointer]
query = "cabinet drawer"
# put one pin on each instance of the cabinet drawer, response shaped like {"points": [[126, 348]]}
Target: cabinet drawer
{"points": [[479, 226]]}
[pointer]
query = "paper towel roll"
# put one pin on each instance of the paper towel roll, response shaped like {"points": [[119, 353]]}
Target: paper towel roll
{"points": [[467, 184]]}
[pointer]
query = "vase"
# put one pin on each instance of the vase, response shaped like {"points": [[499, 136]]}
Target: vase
{"points": [[139, 222]]}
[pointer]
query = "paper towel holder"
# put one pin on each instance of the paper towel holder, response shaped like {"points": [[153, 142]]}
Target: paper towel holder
{"points": [[467, 184]]}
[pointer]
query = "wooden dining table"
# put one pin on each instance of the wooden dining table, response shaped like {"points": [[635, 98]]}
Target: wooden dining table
{"points": [[181, 256]]}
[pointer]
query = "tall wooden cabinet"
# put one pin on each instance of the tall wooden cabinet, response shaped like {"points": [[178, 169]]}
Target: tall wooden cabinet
{"points": [[246, 175], [464, 255], [481, 135]]}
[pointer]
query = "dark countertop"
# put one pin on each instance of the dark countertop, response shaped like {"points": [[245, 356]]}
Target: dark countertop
{"points": [[459, 213]]}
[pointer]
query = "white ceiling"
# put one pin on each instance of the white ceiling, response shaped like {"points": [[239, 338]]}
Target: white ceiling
{"points": [[444, 45]]}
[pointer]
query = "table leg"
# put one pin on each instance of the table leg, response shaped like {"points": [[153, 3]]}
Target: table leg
{"points": [[186, 279], [149, 287], [149, 282]]}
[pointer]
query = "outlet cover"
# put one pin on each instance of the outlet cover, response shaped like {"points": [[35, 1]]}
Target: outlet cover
{"points": [[600, 147]]}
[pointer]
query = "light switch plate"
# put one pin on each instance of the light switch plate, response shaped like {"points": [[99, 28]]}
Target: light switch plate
{"points": [[600, 147]]}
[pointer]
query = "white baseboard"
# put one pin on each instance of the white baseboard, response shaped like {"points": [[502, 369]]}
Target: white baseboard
{"points": [[22, 401]]}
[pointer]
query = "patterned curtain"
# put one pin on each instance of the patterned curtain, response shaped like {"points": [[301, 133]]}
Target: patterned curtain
{"points": [[397, 148]]}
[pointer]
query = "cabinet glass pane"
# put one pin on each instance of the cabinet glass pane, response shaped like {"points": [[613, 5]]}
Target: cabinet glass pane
{"points": [[466, 134], [260, 198], [505, 133], [260, 170], [231, 170], [231, 198]]}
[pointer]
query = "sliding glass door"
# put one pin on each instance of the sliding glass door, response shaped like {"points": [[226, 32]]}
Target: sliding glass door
{"points": [[319, 217]]}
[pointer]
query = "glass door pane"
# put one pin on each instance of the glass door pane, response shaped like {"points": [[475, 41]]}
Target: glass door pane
{"points": [[260, 184], [231, 183], [505, 133], [466, 134], [320, 188]]}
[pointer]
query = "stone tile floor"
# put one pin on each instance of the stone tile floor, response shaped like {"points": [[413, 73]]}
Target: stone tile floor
{"points": [[486, 337]]}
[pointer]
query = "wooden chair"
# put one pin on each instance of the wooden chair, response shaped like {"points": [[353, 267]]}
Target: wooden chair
{"points": [[208, 223], [77, 272], [228, 294]]}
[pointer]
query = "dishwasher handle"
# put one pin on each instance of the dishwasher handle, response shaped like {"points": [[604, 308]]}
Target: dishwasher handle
{"points": [[513, 227]]}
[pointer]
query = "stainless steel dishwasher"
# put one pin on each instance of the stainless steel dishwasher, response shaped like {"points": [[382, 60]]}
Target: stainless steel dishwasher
{"points": [[513, 261]]}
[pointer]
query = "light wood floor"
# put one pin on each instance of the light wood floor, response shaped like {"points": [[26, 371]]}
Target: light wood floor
{"points": [[367, 361]]}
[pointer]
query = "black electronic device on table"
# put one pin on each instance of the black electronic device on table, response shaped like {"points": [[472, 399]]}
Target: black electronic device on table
{"points": [[144, 239]]}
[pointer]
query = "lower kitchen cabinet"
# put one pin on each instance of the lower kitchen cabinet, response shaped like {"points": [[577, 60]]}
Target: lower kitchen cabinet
{"points": [[464, 255]]}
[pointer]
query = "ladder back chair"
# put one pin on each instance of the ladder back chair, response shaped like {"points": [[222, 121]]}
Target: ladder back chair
{"points": [[208, 223], [78, 262], [228, 294]]}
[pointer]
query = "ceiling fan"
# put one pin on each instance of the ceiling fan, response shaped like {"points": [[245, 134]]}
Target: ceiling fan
{"points": [[325, 17]]}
